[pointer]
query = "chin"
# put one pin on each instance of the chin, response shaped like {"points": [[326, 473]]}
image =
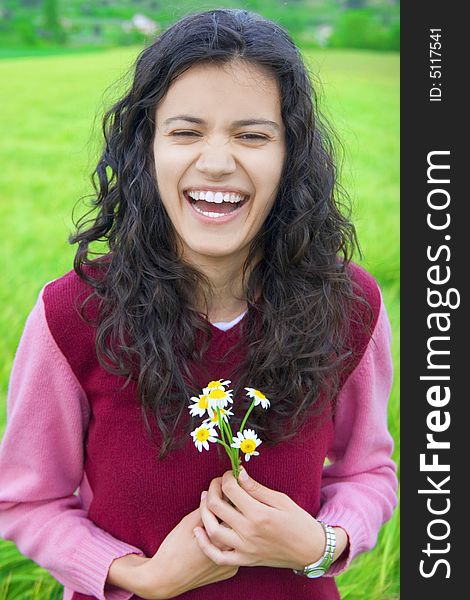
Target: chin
{"points": [[213, 251]]}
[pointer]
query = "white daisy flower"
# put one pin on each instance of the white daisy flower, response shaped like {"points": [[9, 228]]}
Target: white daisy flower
{"points": [[247, 441], [259, 397], [202, 435], [225, 414], [218, 398], [199, 406], [218, 383]]}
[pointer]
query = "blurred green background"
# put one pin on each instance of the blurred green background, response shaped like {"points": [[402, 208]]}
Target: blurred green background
{"points": [[46, 26], [53, 96]]}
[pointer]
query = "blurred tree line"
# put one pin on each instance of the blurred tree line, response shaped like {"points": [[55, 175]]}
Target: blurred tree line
{"points": [[368, 24]]}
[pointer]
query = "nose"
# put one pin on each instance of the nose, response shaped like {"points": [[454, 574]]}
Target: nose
{"points": [[216, 160]]}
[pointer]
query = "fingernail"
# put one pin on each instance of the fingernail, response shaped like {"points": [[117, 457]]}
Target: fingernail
{"points": [[203, 495], [243, 475], [196, 532]]}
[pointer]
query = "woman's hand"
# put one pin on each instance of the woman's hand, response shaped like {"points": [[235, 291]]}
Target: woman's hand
{"points": [[180, 565], [263, 527]]}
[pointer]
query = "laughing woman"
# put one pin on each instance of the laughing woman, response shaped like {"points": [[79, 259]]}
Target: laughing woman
{"points": [[229, 261]]}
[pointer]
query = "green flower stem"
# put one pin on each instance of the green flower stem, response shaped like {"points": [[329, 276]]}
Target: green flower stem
{"points": [[229, 453], [234, 451], [236, 471], [225, 446], [226, 430], [220, 421], [222, 430], [246, 416], [236, 468], [239, 462]]}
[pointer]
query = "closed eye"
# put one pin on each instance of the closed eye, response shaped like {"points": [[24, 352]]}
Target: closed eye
{"points": [[246, 136], [184, 133], [253, 136]]}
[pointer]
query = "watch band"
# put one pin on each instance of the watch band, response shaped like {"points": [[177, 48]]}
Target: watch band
{"points": [[320, 567]]}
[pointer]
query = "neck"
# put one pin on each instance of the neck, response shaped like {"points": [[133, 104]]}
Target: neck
{"points": [[228, 297]]}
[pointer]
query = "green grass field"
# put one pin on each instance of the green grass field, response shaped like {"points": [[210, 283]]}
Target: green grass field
{"points": [[48, 109]]}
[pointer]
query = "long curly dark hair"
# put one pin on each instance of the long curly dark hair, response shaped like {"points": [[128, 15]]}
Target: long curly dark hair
{"points": [[147, 327]]}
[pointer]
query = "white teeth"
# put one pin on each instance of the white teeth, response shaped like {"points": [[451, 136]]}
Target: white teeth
{"points": [[210, 214], [217, 197]]}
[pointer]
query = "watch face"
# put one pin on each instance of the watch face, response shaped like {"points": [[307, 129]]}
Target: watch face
{"points": [[314, 573]]}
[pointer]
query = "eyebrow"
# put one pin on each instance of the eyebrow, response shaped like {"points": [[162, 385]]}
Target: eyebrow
{"points": [[239, 123]]}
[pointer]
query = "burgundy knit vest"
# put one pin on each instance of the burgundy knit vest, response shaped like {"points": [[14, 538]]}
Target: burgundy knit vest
{"points": [[139, 499]]}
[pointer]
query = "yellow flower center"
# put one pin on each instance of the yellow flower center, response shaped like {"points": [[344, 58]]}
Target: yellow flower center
{"points": [[202, 402], [217, 394], [247, 446], [213, 384], [260, 395], [202, 435]]}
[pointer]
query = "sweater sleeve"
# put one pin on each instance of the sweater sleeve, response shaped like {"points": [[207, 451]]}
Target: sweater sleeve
{"points": [[358, 491], [42, 465]]}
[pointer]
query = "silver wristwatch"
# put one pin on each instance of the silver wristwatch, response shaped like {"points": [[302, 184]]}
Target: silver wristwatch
{"points": [[319, 568]]}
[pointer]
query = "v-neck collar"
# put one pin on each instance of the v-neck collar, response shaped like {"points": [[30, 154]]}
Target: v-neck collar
{"points": [[226, 332], [235, 329], [226, 325]]}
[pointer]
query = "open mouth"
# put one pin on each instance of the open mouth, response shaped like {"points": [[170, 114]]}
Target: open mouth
{"points": [[222, 208]]}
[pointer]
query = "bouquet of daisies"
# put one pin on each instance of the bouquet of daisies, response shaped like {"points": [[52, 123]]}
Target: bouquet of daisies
{"points": [[214, 401]]}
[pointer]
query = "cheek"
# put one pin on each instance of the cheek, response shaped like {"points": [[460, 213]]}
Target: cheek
{"points": [[169, 159], [266, 170], [176, 153], [267, 186]]}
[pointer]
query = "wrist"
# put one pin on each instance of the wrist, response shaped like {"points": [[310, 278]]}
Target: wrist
{"points": [[125, 572], [313, 549], [149, 583], [319, 567]]}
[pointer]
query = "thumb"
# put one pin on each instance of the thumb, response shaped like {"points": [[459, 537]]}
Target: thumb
{"points": [[257, 490]]}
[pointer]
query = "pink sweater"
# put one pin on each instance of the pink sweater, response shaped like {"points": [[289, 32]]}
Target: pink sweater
{"points": [[44, 493]]}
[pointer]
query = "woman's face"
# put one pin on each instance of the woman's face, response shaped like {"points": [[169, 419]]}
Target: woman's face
{"points": [[219, 131]]}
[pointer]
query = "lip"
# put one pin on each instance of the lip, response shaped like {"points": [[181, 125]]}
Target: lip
{"points": [[215, 220]]}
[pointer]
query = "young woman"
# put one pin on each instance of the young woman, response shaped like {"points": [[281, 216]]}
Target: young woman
{"points": [[229, 260]]}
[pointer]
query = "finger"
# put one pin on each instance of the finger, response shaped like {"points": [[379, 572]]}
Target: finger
{"points": [[221, 508], [220, 534], [219, 557], [243, 502], [262, 493], [247, 496]]}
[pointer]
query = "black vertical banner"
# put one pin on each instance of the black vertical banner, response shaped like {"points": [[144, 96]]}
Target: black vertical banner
{"points": [[435, 269]]}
